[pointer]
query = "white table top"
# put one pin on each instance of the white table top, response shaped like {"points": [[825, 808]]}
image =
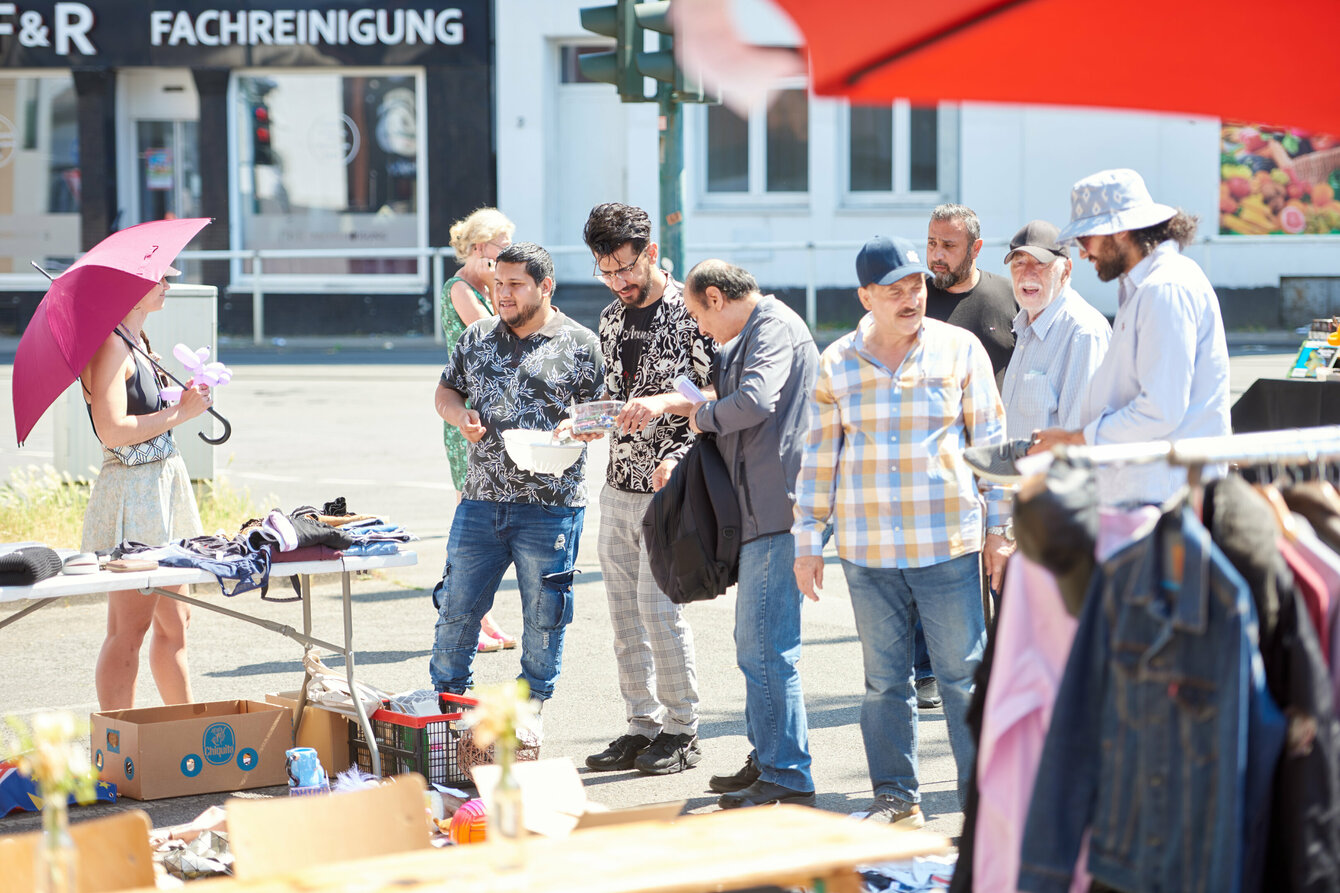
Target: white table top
{"points": [[63, 585]]}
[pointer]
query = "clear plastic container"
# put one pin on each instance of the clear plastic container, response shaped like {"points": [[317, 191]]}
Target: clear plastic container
{"points": [[596, 417]]}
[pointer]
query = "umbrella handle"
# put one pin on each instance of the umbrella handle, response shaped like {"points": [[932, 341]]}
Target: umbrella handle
{"points": [[227, 430]]}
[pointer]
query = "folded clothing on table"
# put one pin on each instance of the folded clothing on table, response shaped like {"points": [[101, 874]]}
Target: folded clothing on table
{"points": [[27, 565]]}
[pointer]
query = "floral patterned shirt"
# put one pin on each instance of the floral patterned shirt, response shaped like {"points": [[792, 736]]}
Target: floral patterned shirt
{"points": [[673, 348], [524, 383]]}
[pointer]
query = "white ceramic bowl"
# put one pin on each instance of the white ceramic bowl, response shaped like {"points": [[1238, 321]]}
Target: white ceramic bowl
{"points": [[536, 451]]}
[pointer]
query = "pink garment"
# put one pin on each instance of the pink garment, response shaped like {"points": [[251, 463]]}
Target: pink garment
{"points": [[1313, 590], [1033, 637], [1326, 563]]}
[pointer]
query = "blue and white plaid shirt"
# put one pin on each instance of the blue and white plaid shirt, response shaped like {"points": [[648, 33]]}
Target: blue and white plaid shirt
{"points": [[884, 458]]}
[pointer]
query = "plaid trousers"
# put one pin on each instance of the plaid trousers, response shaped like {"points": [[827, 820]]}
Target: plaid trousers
{"points": [[653, 644]]}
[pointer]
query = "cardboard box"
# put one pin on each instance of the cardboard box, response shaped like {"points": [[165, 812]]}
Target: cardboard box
{"points": [[156, 752], [324, 730]]}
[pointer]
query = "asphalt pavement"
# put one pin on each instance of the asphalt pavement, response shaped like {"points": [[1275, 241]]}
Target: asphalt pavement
{"points": [[319, 420]]}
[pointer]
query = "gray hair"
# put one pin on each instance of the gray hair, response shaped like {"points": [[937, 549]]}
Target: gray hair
{"points": [[962, 213], [734, 283]]}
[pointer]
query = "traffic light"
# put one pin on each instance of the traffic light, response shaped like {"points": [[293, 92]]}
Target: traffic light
{"points": [[261, 150], [661, 64], [618, 67], [627, 22]]}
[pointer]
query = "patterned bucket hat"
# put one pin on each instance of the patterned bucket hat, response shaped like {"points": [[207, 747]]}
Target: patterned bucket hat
{"points": [[1110, 202]]}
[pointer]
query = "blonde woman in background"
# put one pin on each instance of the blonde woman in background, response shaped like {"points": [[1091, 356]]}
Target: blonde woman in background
{"points": [[466, 298]]}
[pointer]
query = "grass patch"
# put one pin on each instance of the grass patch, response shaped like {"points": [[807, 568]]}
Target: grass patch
{"points": [[45, 506]]}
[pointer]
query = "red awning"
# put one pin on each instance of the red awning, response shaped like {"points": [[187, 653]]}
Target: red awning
{"points": [[1273, 63]]}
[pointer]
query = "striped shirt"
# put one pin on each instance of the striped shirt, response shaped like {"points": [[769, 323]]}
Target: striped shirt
{"points": [[1054, 358], [884, 457]]}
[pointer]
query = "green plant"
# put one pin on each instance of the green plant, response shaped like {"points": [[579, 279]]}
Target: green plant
{"points": [[43, 505]]}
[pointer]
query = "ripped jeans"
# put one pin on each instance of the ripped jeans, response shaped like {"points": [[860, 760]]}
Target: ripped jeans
{"points": [[486, 537]]}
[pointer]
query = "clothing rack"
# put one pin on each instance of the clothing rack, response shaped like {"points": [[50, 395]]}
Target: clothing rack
{"points": [[1289, 446]]}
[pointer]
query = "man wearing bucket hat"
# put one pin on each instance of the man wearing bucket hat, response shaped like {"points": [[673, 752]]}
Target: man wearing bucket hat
{"points": [[1165, 376], [895, 403]]}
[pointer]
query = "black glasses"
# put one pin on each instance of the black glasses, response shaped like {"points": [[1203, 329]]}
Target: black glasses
{"points": [[608, 276]]}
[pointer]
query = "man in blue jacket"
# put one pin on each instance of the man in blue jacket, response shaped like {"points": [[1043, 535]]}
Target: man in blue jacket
{"points": [[763, 374]]}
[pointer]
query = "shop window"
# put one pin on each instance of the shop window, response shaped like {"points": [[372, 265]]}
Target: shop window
{"points": [[766, 152], [39, 173], [892, 150], [331, 162]]}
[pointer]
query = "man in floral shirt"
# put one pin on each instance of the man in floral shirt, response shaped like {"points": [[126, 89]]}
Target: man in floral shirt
{"points": [[521, 369], [648, 340]]}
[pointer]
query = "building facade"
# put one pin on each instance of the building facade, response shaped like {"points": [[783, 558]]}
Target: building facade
{"points": [[347, 132], [343, 138], [790, 191]]}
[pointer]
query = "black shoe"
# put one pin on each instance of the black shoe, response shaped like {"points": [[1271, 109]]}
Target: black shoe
{"points": [[996, 463], [620, 754], [725, 784], [928, 693], [669, 753], [765, 793]]}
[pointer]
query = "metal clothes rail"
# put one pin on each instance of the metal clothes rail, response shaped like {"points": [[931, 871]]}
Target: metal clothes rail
{"points": [[1289, 446]]}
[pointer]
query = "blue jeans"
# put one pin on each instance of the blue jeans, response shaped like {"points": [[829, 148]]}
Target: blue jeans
{"points": [[487, 537], [922, 662], [767, 647], [886, 601]]}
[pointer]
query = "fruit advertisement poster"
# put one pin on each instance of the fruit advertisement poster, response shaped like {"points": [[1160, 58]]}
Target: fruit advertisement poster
{"points": [[1278, 180]]}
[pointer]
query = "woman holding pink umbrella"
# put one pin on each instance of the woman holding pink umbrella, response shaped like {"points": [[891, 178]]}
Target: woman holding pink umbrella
{"points": [[143, 494]]}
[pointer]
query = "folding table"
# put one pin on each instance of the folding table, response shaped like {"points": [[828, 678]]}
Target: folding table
{"points": [[154, 581]]}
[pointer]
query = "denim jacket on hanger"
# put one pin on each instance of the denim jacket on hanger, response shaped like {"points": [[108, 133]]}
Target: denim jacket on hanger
{"points": [[1148, 740]]}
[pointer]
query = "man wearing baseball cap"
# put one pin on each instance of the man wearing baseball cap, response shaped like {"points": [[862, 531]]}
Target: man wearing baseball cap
{"points": [[896, 402], [1059, 338], [1165, 376]]}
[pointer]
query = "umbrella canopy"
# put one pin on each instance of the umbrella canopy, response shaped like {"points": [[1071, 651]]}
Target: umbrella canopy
{"points": [[82, 307], [1191, 56]]}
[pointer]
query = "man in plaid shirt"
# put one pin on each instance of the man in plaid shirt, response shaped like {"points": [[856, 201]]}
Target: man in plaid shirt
{"points": [[896, 403]]}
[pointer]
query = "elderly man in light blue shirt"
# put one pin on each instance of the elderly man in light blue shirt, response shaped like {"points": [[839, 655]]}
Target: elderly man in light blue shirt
{"points": [[1059, 338], [1165, 376]]}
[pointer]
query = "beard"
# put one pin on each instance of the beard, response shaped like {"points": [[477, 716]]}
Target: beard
{"points": [[1109, 266], [639, 297], [951, 278], [522, 316]]}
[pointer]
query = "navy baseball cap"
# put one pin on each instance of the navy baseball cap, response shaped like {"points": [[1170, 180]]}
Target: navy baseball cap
{"points": [[885, 259]]}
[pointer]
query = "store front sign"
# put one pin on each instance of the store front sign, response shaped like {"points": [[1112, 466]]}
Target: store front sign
{"points": [[292, 27], [234, 34]]}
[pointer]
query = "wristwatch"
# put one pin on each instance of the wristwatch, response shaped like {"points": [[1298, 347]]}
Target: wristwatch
{"points": [[1006, 530]]}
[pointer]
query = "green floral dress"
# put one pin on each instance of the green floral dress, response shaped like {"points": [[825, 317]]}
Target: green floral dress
{"points": [[452, 327]]}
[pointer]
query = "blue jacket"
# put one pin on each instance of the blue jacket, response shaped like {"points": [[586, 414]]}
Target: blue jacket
{"points": [[1148, 745]]}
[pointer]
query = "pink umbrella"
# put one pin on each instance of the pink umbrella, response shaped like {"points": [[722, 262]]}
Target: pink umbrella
{"points": [[82, 307]]}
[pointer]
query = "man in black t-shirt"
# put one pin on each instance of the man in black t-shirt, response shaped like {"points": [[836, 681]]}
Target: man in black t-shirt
{"points": [[648, 340], [962, 295], [983, 303]]}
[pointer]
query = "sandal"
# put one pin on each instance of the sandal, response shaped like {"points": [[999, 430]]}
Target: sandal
{"points": [[488, 643], [490, 629]]}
